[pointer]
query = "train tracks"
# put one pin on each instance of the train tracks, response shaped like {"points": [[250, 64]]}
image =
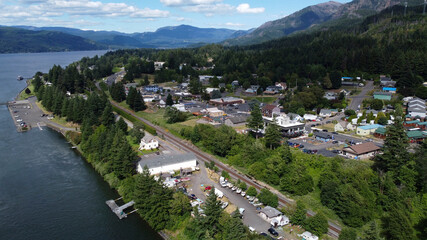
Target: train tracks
{"points": [[333, 230]]}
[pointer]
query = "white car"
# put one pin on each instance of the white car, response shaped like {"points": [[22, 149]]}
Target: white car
{"points": [[241, 210], [238, 191], [19, 120], [230, 185], [223, 184], [234, 188], [243, 194], [224, 205], [251, 229]]}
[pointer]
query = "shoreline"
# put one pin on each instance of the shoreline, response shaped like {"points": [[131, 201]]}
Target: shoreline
{"points": [[76, 149]]}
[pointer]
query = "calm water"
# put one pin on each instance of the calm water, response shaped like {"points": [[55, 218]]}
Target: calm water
{"points": [[47, 191]]}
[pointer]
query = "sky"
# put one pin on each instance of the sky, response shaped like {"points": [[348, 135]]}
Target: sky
{"points": [[147, 15]]}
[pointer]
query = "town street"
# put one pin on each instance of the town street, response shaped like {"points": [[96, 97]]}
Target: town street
{"points": [[357, 100]]}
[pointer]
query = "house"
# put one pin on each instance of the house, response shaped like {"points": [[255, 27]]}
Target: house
{"points": [[349, 83], [325, 113], [280, 221], [308, 236], [361, 151], [226, 101], [215, 112], [367, 129], [288, 127], [351, 127], [210, 90], [243, 108], [271, 90], [383, 95], [330, 96], [386, 81], [347, 78], [339, 127], [270, 110], [310, 117], [235, 83], [162, 104], [148, 143], [169, 163], [416, 107], [205, 78], [380, 133], [221, 85], [269, 213], [422, 125], [158, 65], [389, 89], [374, 112], [152, 88], [282, 85], [180, 107], [295, 117], [416, 136], [237, 121], [323, 136], [411, 123]]}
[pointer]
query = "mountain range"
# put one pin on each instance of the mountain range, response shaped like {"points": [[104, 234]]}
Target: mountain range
{"points": [[313, 18]]}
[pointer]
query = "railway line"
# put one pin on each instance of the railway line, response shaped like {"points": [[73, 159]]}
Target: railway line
{"points": [[333, 229]]}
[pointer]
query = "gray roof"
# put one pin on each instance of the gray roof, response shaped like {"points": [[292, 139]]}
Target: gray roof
{"points": [[325, 111], [271, 212], [324, 135], [416, 109], [162, 160], [244, 107], [238, 119]]}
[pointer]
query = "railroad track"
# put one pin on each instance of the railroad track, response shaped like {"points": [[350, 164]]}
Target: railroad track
{"points": [[333, 230]]}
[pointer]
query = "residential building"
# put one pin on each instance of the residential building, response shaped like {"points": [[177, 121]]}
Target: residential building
{"points": [[361, 151], [416, 136], [153, 88], [416, 108], [383, 95], [347, 78], [180, 107], [340, 127], [295, 117], [386, 81], [325, 113], [148, 143], [422, 125], [389, 89], [289, 128], [237, 120], [271, 90], [310, 117], [158, 65], [269, 213], [308, 236], [282, 85], [226, 101], [367, 129], [235, 83], [270, 110], [210, 90], [169, 163], [215, 112], [330, 96], [413, 123]]}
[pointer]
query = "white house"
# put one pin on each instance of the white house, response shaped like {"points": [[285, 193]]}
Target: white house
{"points": [[325, 113], [180, 107], [162, 104], [169, 163], [148, 143], [269, 213], [280, 221], [308, 236], [310, 117], [339, 127], [350, 127]]}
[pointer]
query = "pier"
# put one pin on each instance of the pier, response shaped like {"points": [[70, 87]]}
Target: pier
{"points": [[119, 210]]}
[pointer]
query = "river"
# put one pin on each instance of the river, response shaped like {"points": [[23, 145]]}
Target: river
{"points": [[47, 191]]}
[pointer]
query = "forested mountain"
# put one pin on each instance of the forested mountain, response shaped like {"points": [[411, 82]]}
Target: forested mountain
{"points": [[21, 40], [318, 17], [166, 37]]}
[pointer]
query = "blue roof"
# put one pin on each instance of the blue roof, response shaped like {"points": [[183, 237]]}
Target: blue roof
{"points": [[389, 89], [347, 78], [372, 126]]}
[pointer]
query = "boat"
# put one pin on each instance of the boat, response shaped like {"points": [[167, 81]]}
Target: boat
{"points": [[19, 78]]}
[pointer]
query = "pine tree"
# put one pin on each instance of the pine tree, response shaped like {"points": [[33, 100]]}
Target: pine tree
{"points": [[299, 215], [273, 135], [107, 117], [397, 224], [138, 103], [255, 120], [421, 166], [213, 212], [169, 100], [130, 99], [372, 232]]}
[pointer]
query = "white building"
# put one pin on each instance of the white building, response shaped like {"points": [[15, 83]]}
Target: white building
{"points": [[180, 107], [310, 117], [270, 213], [288, 126], [148, 143], [158, 65], [280, 221], [169, 163], [308, 236]]}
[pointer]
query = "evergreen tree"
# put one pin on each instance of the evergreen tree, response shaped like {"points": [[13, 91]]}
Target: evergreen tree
{"points": [[318, 224], [169, 100], [146, 82], [138, 103], [212, 210], [397, 224], [137, 132], [421, 166], [159, 200], [130, 99], [107, 117], [348, 234], [121, 125], [273, 135], [255, 121], [372, 232], [144, 183]]}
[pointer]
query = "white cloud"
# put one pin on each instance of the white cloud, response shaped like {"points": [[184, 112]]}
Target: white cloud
{"points": [[210, 10], [188, 2], [246, 8], [230, 24]]}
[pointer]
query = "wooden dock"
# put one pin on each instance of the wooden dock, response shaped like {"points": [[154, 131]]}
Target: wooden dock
{"points": [[119, 210]]}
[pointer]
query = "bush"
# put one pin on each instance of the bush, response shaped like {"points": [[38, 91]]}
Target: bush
{"points": [[349, 112], [252, 191], [268, 198], [317, 224]]}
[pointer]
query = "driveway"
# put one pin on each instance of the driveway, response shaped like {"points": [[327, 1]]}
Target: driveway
{"points": [[357, 100]]}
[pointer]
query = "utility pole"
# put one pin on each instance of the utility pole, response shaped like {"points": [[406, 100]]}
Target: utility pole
{"points": [[406, 6], [425, 3]]}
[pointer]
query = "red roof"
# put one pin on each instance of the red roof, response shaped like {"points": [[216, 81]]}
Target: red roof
{"points": [[362, 148]]}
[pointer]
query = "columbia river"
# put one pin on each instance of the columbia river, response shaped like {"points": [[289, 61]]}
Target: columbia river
{"points": [[47, 191]]}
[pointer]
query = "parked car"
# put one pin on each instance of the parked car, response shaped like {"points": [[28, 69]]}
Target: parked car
{"points": [[301, 146], [335, 142], [273, 232], [238, 191], [234, 188], [243, 194]]}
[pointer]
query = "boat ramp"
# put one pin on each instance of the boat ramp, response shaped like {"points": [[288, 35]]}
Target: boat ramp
{"points": [[119, 210]]}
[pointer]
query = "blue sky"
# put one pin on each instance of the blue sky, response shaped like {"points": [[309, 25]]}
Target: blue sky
{"points": [[147, 15]]}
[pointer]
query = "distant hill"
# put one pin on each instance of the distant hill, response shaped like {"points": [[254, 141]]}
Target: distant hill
{"points": [[166, 37], [317, 17], [21, 40]]}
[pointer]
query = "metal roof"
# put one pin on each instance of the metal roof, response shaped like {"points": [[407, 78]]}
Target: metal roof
{"points": [[271, 212], [162, 160]]}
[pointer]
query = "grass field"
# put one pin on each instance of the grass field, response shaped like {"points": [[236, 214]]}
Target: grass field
{"points": [[116, 69], [22, 95]]}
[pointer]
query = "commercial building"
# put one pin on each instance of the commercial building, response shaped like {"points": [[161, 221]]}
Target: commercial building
{"points": [[226, 101], [367, 129], [361, 151], [169, 163]]}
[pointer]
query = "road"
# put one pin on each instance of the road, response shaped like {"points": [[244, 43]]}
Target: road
{"points": [[357, 100], [189, 147]]}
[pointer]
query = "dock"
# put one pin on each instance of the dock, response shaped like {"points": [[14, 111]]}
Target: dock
{"points": [[119, 210]]}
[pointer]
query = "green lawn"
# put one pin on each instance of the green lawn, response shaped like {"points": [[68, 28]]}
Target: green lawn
{"points": [[23, 95], [116, 69]]}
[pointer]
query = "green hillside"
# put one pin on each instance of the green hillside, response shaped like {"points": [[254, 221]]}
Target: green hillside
{"points": [[20, 40]]}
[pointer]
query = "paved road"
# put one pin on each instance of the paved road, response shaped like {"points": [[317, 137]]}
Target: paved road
{"points": [[187, 146], [357, 100]]}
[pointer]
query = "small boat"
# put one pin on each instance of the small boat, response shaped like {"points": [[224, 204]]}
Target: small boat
{"points": [[19, 78]]}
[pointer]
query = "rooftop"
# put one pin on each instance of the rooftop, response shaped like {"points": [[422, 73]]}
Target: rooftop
{"points": [[383, 93], [372, 126], [416, 134], [271, 212], [162, 160], [362, 148]]}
